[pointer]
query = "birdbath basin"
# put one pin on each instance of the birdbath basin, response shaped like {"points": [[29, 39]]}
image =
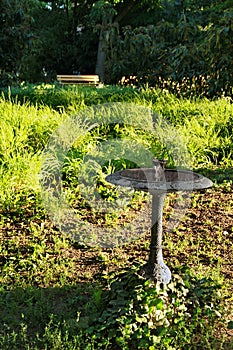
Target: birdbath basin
{"points": [[158, 181]]}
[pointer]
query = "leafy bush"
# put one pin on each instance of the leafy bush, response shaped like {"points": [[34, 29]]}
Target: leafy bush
{"points": [[188, 51], [138, 314], [7, 79]]}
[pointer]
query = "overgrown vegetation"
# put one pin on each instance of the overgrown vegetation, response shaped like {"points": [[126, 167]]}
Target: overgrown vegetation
{"points": [[58, 294]]}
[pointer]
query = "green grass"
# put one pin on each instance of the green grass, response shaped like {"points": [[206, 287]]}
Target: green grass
{"points": [[196, 119], [58, 294]]}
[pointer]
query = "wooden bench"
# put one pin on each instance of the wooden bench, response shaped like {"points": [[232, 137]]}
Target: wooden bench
{"points": [[79, 79]]}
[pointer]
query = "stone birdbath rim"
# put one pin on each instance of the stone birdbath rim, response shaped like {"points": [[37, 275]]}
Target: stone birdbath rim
{"points": [[174, 180]]}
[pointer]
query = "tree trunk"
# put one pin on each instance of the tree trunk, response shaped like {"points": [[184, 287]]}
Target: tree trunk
{"points": [[101, 56], [100, 62]]}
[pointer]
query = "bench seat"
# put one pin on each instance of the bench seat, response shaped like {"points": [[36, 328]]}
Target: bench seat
{"points": [[78, 79]]}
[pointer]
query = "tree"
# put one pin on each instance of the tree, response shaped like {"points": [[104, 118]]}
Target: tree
{"points": [[108, 16], [187, 46], [15, 33], [219, 45], [67, 42]]}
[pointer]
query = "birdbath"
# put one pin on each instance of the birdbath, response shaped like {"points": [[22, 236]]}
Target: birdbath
{"points": [[158, 181]]}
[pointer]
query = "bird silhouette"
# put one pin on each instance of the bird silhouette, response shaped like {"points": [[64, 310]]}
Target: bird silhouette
{"points": [[159, 167]]}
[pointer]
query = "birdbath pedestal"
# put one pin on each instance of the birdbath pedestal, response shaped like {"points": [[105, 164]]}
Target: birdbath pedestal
{"points": [[158, 181]]}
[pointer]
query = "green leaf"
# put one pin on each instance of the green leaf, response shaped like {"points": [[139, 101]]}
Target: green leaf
{"points": [[159, 304], [84, 322]]}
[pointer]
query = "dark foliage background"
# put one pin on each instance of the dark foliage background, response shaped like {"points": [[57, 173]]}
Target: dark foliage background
{"points": [[185, 46]]}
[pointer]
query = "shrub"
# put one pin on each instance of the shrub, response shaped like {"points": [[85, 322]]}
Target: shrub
{"points": [[138, 314]]}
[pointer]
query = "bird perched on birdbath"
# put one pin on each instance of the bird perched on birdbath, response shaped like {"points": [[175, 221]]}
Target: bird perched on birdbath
{"points": [[159, 167]]}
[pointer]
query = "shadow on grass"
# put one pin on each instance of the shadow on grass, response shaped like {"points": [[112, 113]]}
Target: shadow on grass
{"points": [[64, 317], [47, 318], [218, 175], [35, 305]]}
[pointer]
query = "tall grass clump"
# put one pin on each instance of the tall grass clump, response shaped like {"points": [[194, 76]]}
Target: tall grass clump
{"points": [[204, 125], [68, 97], [206, 128], [25, 131]]}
